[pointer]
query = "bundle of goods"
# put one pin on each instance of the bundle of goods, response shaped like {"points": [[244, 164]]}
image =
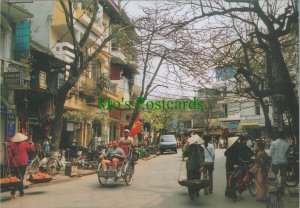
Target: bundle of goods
{"points": [[194, 183], [9, 181], [40, 178]]}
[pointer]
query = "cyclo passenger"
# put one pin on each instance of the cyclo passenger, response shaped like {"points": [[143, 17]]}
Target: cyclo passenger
{"points": [[113, 157]]}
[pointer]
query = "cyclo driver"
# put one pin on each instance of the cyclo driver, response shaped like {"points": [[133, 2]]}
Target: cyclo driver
{"points": [[126, 141], [113, 156]]}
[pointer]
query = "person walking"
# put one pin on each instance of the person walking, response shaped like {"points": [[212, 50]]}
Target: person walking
{"points": [[278, 152], [209, 153], [195, 162], [46, 147], [18, 150], [261, 169]]}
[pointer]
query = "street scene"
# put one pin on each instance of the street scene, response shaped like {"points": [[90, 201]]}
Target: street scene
{"points": [[118, 103], [155, 185]]}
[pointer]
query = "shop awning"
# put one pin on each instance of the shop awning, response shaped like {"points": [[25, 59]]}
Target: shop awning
{"points": [[248, 123], [215, 132]]}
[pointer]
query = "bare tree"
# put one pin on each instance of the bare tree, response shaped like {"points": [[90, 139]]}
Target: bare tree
{"points": [[244, 28], [80, 62]]}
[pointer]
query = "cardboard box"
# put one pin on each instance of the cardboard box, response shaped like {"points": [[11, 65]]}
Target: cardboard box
{"points": [[71, 170]]}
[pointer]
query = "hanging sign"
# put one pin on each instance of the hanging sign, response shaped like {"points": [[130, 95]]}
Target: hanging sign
{"points": [[11, 125]]}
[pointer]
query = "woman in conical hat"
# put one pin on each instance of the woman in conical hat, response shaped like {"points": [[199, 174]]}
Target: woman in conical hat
{"points": [[232, 158], [195, 161], [18, 149]]}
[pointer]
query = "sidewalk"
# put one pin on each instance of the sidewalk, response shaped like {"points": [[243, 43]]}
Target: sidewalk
{"points": [[61, 177]]}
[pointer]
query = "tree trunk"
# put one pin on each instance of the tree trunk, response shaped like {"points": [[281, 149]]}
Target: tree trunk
{"points": [[133, 117], [268, 124], [59, 101], [285, 85]]}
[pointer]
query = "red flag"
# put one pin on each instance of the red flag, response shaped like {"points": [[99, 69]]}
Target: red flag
{"points": [[136, 128]]}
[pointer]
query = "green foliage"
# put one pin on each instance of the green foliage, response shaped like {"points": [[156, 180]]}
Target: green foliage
{"points": [[102, 82], [159, 118], [98, 116]]}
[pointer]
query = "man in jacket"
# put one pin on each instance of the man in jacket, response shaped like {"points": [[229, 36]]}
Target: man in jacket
{"points": [[278, 152]]}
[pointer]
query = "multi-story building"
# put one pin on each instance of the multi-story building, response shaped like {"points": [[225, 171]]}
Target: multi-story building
{"points": [[51, 35], [239, 114], [14, 64]]}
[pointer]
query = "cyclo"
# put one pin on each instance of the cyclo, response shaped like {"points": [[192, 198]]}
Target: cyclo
{"points": [[125, 170]]}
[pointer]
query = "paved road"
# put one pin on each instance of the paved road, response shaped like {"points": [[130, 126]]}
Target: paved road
{"points": [[155, 185]]}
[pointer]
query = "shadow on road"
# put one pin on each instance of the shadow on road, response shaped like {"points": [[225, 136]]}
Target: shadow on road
{"points": [[35, 192], [4, 199]]}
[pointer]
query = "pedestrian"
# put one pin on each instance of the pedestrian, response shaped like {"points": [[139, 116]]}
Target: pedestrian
{"points": [[249, 143], [261, 169], [46, 147], [195, 162], [278, 152], [221, 143], [209, 153], [18, 150]]}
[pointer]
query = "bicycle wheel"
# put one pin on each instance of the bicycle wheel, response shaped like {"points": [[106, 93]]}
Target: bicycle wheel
{"points": [[53, 166], [102, 180], [129, 171], [33, 167], [273, 202], [292, 179], [251, 187]]}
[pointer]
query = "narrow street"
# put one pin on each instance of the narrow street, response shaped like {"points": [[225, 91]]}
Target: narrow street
{"points": [[155, 185]]}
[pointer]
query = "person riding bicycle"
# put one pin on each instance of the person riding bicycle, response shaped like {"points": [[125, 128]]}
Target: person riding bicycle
{"points": [[113, 156], [245, 154]]}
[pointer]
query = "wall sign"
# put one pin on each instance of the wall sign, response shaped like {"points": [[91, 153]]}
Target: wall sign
{"points": [[11, 125]]}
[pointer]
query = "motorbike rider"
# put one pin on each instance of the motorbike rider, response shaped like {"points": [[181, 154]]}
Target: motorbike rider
{"points": [[113, 156]]}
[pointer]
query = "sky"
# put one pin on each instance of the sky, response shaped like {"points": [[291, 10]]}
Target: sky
{"points": [[172, 89]]}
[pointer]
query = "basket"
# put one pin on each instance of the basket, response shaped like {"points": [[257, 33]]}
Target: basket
{"points": [[194, 183], [39, 180], [8, 185]]}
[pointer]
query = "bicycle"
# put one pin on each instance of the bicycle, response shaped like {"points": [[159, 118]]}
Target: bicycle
{"points": [[242, 179], [37, 164], [274, 196], [293, 167], [54, 164]]}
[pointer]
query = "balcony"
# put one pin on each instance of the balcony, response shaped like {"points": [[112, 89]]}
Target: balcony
{"points": [[64, 52]]}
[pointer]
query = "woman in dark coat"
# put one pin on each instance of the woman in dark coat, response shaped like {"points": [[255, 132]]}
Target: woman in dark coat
{"points": [[232, 159], [195, 161]]}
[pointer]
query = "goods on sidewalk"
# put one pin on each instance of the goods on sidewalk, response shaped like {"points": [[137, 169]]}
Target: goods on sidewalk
{"points": [[9, 181], [40, 178]]}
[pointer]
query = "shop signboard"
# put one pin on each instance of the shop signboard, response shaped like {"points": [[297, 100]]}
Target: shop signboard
{"points": [[11, 125], [14, 79]]}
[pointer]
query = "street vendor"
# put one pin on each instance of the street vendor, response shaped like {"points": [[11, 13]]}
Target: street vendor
{"points": [[113, 156], [195, 161], [18, 150]]}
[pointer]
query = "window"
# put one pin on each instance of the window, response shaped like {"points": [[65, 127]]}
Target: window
{"points": [[22, 38], [257, 108], [96, 69]]}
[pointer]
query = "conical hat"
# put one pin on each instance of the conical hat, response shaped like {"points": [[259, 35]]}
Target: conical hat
{"points": [[19, 137], [195, 139], [231, 141]]}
